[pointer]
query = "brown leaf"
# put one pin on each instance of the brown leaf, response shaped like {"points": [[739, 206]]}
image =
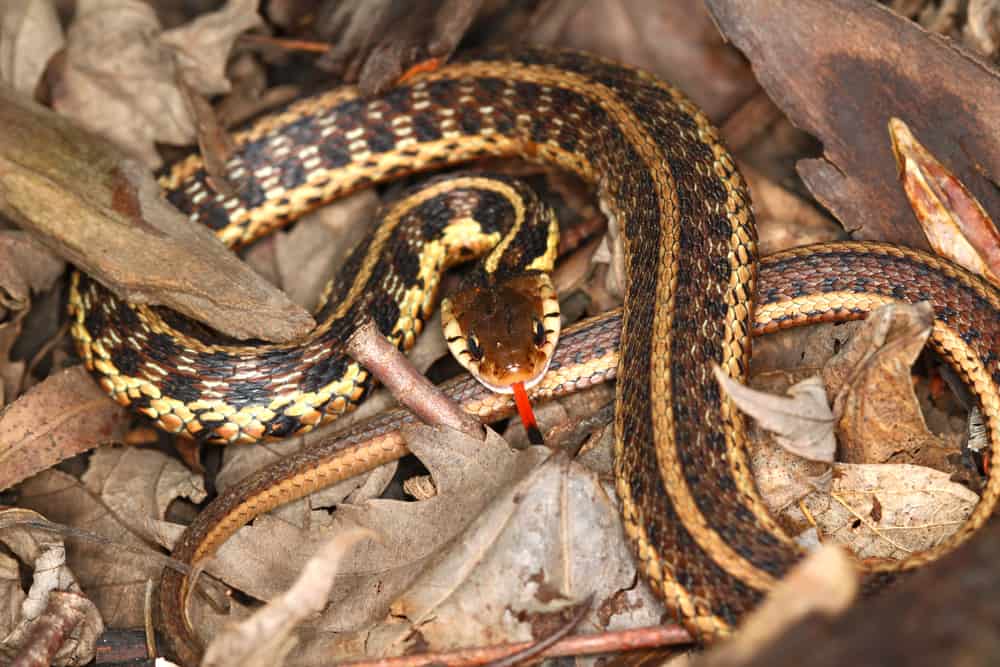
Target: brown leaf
{"points": [[11, 372], [955, 223], [25, 267], [43, 551], [498, 514], [266, 637], [115, 573], [879, 417], [30, 35], [827, 66], [920, 507], [375, 43], [89, 204], [306, 255], [121, 71], [531, 551], [785, 220], [675, 40], [203, 46], [63, 416], [137, 485], [982, 27]]}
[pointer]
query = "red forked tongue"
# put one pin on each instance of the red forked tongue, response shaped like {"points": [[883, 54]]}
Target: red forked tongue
{"points": [[527, 416]]}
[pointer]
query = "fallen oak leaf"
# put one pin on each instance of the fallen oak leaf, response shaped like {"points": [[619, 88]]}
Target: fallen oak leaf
{"points": [[919, 507], [801, 423], [111, 556], [498, 514], [549, 537], [826, 66]]}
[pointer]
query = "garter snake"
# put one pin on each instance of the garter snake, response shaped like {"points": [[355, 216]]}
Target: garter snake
{"points": [[702, 536]]}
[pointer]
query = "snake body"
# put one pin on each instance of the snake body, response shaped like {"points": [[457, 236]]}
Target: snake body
{"points": [[702, 535]]}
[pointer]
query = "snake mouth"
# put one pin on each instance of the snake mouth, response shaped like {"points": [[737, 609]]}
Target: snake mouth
{"points": [[507, 386]]}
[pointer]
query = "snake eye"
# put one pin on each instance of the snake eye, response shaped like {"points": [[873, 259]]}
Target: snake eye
{"points": [[475, 351], [539, 333]]}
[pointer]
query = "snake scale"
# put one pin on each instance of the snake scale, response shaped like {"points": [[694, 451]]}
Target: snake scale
{"points": [[701, 534]]}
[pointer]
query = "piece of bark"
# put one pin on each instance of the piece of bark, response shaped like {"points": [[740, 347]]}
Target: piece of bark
{"points": [[840, 70], [92, 205]]}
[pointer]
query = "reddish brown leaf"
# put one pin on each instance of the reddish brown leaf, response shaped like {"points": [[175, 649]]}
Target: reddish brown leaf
{"points": [[955, 223], [63, 416]]}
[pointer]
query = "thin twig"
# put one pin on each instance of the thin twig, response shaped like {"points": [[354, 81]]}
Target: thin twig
{"points": [[391, 367], [520, 656], [606, 642]]}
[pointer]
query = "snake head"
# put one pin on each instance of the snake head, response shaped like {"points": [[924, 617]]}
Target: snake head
{"points": [[504, 331]]}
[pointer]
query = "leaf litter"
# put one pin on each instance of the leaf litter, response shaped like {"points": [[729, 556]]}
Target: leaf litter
{"points": [[461, 566]]}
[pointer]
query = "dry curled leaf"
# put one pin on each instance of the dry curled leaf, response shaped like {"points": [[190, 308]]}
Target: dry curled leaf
{"points": [[121, 71], [879, 417], [802, 423], [955, 223], [44, 553], [114, 566], [505, 530], [919, 508]]}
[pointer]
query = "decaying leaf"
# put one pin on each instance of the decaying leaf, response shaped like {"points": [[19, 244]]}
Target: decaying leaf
{"points": [[115, 576], [920, 507], [955, 223], [879, 417], [306, 255], [63, 416], [25, 267], [42, 551], [137, 486], [785, 220], [826, 66], [117, 54], [802, 423]]}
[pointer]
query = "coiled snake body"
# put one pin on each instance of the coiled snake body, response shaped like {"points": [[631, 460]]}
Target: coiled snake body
{"points": [[703, 537]]}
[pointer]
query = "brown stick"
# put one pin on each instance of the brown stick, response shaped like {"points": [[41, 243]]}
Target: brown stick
{"points": [[391, 367]]}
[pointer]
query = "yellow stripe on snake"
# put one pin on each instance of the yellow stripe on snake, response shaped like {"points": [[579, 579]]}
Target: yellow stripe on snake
{"points": [[702, 535]]}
